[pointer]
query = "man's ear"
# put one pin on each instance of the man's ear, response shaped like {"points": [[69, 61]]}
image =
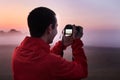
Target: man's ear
{"points": [[49, 29]]}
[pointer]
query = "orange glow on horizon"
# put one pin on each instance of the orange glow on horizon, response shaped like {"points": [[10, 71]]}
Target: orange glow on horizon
{"points": [[15, 18], [15, 15]]}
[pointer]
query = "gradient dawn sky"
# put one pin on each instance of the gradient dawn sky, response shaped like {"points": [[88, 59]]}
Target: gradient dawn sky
{"points": [[99, 18]]}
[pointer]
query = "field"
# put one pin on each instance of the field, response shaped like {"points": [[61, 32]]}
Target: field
{"points": [[103, 62]]}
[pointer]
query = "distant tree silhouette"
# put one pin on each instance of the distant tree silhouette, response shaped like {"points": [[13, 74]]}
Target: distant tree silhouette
{"points": [[1, 31], [10, 32], [13, 31]]}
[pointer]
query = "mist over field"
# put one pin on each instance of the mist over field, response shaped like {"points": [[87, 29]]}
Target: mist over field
{"points": [[98, 38], [12, 37], [102, 38], [10, 40]]}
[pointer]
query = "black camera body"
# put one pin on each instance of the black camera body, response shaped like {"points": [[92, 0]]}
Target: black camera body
{"points": [[79, 30], [68, 30]]}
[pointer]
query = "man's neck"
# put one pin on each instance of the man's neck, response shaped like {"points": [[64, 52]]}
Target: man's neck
{"points": [[44, 39]]}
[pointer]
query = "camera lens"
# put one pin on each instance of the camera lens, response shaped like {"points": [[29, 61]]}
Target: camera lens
{"points": [[78, 29]]}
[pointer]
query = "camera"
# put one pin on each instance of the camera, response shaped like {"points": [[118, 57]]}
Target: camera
{"points": [[68, 30]]}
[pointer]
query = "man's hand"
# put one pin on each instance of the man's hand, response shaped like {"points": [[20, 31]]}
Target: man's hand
{"points": [[77, 34], [67, 41]]}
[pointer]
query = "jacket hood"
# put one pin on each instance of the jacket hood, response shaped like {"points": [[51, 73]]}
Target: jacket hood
{"points": [[32, 49]]}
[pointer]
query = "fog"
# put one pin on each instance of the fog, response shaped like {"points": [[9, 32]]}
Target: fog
{"points": [[102, 38], [13, 39]]}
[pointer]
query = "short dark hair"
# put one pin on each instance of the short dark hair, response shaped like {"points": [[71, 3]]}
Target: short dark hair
{"points": [[39, 19]]}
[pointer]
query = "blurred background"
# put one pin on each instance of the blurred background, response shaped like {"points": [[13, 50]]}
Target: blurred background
{"points": [[99, 18]]}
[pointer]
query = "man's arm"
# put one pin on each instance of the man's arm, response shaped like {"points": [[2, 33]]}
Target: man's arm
{"points": [[75, 70], [58, 48], [79, 55], [62, 45]]}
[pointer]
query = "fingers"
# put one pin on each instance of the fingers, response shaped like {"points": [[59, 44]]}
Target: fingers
{"points": [[74, 31], [67, 40]]}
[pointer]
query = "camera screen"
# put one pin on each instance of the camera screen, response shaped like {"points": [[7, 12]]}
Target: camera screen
{"points": [[68, 32]]}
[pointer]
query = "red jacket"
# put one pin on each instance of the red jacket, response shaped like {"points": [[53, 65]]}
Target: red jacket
{"points": [[33, 60]]}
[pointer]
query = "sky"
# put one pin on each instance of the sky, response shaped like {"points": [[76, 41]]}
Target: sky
{"points": [[99, 18]]}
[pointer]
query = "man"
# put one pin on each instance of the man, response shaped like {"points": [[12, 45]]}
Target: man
{"points": [[33, 59]]}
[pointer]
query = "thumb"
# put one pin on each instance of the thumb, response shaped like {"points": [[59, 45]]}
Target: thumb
{"points": [[74, 32]]}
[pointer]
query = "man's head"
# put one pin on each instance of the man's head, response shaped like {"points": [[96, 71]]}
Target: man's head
{"points": [[42, 22]]}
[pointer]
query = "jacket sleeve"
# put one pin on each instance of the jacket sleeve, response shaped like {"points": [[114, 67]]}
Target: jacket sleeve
{"points": [[78, 51], [79, 56], [75, 70], [58, 48]]}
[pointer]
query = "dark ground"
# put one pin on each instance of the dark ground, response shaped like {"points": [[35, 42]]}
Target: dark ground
{"points": [[103, 62]]}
